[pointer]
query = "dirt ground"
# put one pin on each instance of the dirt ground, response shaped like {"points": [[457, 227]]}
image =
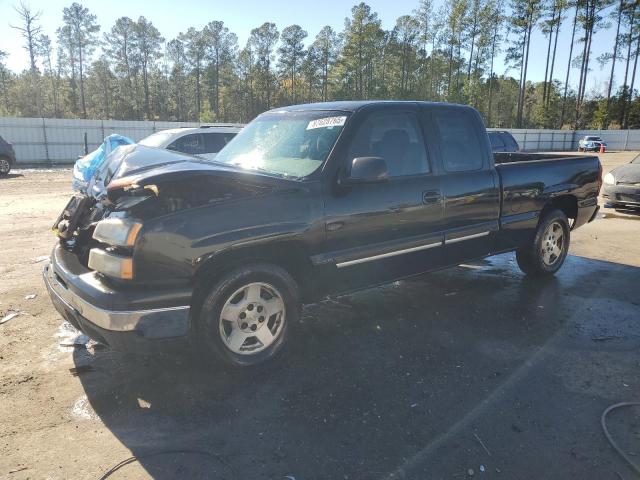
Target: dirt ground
{"points": [[474, 370]]}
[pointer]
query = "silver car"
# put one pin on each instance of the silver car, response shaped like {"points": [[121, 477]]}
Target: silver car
{"points": [[205, 141]]}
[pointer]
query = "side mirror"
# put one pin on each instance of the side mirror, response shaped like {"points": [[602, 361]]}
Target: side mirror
{"points": [[367, 170]]}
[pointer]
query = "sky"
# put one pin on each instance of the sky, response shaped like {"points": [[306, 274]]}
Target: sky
{"points": [[240, 16]]}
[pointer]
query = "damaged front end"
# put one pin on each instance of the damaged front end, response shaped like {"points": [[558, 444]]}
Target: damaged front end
{"points": [[140, 184]]}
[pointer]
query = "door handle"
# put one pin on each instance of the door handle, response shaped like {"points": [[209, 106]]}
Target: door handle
{"points": [[431, 196]]}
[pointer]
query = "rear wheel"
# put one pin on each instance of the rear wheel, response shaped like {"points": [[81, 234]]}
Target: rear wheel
{"points": [[5, 166], [246, 316], [546, 254]]}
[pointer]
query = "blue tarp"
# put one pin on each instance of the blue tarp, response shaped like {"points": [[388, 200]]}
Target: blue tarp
{"points": [[86, 167]]}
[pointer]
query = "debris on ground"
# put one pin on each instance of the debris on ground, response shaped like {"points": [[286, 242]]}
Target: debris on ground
{"points": [[482, 444], [143, 403], [9, 316], [470, 472], [605, 338], [75, 371], [16, 470], [31, 296], [41, 258], [79, 341]]}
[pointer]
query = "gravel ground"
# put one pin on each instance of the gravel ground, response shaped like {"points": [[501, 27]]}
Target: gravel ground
{"points": [[471, 370]]}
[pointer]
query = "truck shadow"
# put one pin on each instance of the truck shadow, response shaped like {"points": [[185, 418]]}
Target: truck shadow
{"points": [[367, 381]]}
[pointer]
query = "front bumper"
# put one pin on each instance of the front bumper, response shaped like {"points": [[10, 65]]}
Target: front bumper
{"points": [[124, 320], [621, 194]]}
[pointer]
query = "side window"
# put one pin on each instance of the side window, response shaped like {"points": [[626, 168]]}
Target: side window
{"points": [[460, 146], [191, 144], [496, 140], [394, 136], [214, 142], [510, 142]]}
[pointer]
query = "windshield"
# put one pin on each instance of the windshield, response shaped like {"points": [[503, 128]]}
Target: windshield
{"points": [[155, 139], [289, 143], [593, 139]]}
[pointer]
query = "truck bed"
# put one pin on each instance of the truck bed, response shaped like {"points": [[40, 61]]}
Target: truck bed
{"points": [[530, 180]]}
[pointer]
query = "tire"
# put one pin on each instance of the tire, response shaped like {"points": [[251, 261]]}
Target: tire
{"points": [[547, 252], [5, 166], [246, 316]]}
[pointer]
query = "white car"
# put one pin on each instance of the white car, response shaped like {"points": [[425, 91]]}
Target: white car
{"points": [[205, 141]]}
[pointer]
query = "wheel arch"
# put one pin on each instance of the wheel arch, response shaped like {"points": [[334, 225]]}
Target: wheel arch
{"points": [[568, 204], [292, 256]]}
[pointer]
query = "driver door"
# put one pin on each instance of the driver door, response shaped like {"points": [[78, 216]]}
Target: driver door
{"points": [[379, 231]]}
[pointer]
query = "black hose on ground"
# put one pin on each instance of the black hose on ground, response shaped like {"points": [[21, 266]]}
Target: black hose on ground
{"points": [[603, 423], [136, 458]]}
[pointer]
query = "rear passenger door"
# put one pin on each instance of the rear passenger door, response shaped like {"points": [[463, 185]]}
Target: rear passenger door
{"points": [[470, 186]]}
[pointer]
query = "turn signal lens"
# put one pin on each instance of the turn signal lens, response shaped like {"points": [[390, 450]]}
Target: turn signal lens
{"points": [[110, 264]]}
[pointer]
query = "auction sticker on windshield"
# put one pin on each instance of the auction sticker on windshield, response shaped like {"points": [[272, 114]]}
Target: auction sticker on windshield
{"points": [[326, 122]]}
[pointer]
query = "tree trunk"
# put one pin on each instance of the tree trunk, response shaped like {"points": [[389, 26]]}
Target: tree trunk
{"points": [[198, 92], [566, 81], [82, 103], [582, 65], [605, 122], [145, 85], [546, 68], [633, 79], [625, 89], [493, 53], [553, 57]]}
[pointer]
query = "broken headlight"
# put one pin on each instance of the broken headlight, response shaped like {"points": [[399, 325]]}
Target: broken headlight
{"points": [[118, 232]]}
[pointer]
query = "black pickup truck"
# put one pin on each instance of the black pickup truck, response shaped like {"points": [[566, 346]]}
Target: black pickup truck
{"points": [[306, 201]]}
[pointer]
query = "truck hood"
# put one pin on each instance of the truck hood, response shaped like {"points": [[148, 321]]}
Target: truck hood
{"points": [[164, 182]]}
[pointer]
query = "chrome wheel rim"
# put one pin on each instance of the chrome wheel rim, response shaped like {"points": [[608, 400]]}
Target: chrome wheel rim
{"points": [[4, 166], [552, 243], [252, 318]]}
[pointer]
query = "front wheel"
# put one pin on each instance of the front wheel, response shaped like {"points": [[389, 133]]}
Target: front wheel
{"points": [[246, 316], [546, 254], [5, 166]]}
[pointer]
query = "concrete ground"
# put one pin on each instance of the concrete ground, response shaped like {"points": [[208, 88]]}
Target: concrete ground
{"points": [[476, 370]]}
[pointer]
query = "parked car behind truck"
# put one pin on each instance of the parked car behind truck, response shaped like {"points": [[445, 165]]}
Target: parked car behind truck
{"points": [[7, 157], [307, 201], [502, 141], [205, 141], [591, 143], [622, 186]]}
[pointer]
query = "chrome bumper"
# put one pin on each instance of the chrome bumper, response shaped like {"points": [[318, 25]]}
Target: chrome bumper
{"points": [[168, 322]]}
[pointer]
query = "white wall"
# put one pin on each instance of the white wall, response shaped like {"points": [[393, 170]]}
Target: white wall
{"points": [[53, 141]]}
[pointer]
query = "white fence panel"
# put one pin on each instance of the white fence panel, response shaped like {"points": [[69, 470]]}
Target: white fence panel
{"points": [[60, 141]]}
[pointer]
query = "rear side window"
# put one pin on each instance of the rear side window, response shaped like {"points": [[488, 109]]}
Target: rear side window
{"points": [[460, 145], [394, 136], [192, 144], [214, 142], [496, 140], [510, 142]]}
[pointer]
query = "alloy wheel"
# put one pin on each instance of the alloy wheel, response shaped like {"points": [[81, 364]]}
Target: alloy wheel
{"points": [[252, 318]]}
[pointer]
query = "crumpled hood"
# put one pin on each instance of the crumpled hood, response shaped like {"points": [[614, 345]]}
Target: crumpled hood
{"points": [[156, 182], [629, 173]]}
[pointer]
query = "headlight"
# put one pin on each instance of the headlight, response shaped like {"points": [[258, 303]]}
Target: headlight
{"points": [[609, 178], [111, 264], [118, 232]]}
